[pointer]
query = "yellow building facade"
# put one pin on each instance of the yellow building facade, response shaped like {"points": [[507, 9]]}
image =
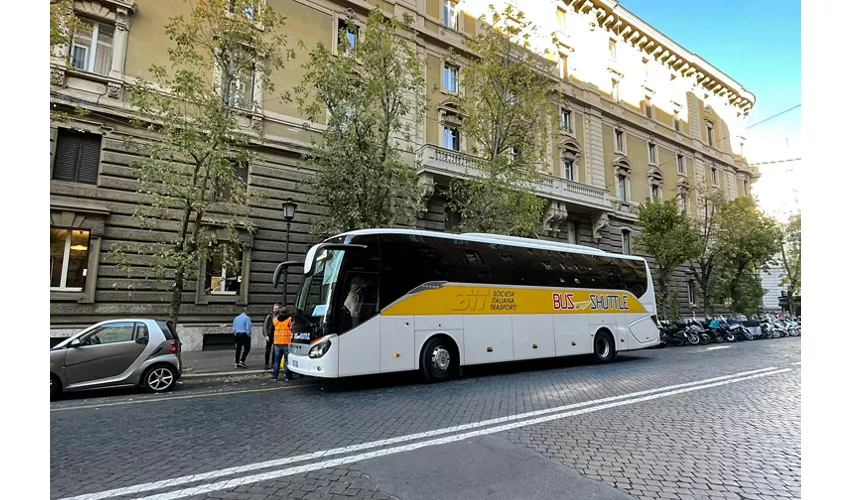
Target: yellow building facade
{"points": [[643, 118]]}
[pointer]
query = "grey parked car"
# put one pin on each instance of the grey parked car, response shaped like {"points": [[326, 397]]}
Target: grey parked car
{"points": [[117, 353]]}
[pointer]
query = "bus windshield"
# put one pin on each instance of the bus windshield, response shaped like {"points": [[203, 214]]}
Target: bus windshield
{"points": [[314, 297]]}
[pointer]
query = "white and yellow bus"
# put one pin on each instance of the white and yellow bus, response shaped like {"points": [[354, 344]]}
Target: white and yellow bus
{"points": [[389, 300]]}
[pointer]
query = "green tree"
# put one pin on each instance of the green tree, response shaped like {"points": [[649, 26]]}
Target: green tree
{"points": [[791, 255], [703, 265], [669, 238], [63, 24], [371, 93], [189, 190], [747, 240], [506, 117]]}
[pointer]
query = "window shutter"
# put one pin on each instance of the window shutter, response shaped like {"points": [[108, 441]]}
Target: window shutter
{"points": [[65, 157], [77, 157], [89, 158]]}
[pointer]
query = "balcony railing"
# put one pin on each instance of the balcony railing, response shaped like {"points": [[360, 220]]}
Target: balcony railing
{"points": [[450, 163]]}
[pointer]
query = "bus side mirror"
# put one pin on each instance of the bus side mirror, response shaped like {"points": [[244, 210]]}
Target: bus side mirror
{"points": [[279, 270]]}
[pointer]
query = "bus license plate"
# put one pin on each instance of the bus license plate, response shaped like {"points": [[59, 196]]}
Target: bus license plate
{"points": [[294, 363]]}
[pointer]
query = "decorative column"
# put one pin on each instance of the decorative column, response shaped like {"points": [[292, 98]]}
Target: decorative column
{"points": [[119, 52]]}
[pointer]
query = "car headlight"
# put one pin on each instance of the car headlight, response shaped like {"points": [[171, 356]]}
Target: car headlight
{"points": [[320, 349]]}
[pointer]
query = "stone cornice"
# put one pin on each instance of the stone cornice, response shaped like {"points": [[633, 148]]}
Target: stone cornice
{"points": [[659, 46]]}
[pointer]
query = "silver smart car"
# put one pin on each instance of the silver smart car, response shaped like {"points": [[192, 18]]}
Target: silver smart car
{"points": [[117, 353]]}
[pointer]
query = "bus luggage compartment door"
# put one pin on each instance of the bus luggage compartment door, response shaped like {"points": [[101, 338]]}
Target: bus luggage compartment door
{"points": [[534, 336], [397, 343]]}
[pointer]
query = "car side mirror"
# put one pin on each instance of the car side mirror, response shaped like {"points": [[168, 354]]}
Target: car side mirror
{"points": [[75, 343], [142, 340]]}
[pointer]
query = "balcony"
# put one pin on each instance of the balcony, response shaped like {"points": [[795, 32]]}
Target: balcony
{"points": [[448, 163]]}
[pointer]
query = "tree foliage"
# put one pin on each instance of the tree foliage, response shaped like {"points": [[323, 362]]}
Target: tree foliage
{"points": [[670, 239], [505, 116], [196, 113], [747, 240], [63, 24], [791, 255], [372, 93], [702, 266]]}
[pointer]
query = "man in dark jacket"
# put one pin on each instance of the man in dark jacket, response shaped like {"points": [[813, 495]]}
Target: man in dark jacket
{"points": [[268, 331]]}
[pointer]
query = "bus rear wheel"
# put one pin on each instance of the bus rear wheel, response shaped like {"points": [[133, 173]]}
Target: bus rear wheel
{"points": [[439, 360], [604, 350]]}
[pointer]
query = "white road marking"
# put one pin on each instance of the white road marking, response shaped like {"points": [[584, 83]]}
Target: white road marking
{"points": [[797, 363], [139, 488], [716, 348], [232, 483]]}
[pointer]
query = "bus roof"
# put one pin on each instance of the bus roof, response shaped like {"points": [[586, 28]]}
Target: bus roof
{"points": [[496, 239]]}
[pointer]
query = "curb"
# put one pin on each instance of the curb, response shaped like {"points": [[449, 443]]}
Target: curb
{"points": [[224, 374]]}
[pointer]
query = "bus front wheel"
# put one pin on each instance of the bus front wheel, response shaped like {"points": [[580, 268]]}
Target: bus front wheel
{"points": [[440, 360], [604, 350]]}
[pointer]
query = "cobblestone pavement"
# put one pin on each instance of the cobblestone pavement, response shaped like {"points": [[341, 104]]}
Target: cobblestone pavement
{"points": [[738, 440]]}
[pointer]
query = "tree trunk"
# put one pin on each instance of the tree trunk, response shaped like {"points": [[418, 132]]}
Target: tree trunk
{"points": [[176, 296], [664, 291], [706, 304]]}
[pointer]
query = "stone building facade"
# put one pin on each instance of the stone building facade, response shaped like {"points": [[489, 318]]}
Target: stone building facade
{"points": [[642, 118]]}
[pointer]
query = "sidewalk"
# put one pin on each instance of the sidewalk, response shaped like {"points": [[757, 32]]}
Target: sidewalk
{"points": [[220, 362]]}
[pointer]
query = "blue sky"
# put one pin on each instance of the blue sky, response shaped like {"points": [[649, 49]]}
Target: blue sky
{"points": [[756, 42]]}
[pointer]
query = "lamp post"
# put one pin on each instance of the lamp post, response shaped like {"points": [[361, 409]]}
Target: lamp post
{"points": [[288, 214]]}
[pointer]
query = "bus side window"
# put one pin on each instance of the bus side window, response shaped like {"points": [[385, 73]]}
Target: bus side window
{"points": [[360, 302]]}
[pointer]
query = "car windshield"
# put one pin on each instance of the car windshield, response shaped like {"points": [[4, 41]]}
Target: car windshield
{"points": [[314, 297]]}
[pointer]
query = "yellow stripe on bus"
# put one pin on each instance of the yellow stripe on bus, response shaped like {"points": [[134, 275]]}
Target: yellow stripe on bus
{"points": [[454, 299]]}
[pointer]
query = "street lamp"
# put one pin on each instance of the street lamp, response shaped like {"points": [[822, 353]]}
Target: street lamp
{"points": [[289, 207]]}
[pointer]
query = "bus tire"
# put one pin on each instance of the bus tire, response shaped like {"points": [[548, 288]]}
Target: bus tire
{"points": [[439, 360], [604, 349]]}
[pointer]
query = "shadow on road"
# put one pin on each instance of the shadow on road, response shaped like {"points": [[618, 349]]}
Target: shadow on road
{"points": [[368, 382]]}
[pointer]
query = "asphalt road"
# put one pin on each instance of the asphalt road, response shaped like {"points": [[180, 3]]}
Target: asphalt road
{"points": [[720, 421]]}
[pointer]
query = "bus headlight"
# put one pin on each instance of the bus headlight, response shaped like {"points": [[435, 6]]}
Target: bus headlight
{"points": [[320, 349]]}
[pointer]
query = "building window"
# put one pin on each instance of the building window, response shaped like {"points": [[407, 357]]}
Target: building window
{"points": [[513, 153], [627, 242], [450, 14], [683, 202], [680, 163], [676, 124], [69, 257], [692, 292], [572, 232], [569, 169], [710, 131], [347, 40], [451, 137], [564, 67], [653, 154], [714, 178], [655, 192], [647, 107], [621, 188], [450, 78], [746, 187], [562, 20], [566, 120], [612, 49], [619, 141], [240, 92], [615, 90], [222, 279], [91, 49], [77, 156]]}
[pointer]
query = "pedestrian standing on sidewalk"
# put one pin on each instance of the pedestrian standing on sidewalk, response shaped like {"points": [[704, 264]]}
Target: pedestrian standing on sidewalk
{"points": [[268, 332], [242, 334], [282, 336]]}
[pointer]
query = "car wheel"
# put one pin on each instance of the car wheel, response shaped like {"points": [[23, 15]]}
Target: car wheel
{"points": [[604, 350], [55, 386], [159, 378], [439, 361]]}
